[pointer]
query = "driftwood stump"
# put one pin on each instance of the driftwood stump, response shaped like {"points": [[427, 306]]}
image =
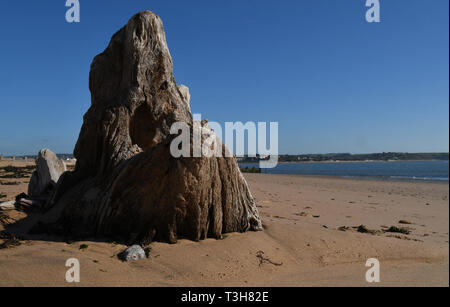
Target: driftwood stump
{"points": [[126, 184]]}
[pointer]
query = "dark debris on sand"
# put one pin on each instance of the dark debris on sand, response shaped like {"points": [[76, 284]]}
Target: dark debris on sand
{"points": [[9, 172], [395, 229], [5, 220], [365, 230], [9, 240], [263, 259]]}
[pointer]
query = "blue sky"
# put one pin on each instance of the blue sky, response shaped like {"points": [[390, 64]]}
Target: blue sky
{"points": [[334, 82]]}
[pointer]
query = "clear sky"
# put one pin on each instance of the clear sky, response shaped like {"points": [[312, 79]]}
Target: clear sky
{"points": [[334, 82]]}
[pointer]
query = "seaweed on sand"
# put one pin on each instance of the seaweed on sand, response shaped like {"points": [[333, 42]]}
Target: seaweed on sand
{"points": [[9, 240], [263, 259]]}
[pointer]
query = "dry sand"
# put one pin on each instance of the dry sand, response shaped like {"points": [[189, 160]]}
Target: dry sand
{"points": [[301, 217]]}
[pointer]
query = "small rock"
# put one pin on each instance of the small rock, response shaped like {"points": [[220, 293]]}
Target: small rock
{"points": [[9, 205], [405, 222], [132, 253], [48, 170]]}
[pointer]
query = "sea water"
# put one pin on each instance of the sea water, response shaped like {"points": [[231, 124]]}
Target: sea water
{"points": [[397, 170]]}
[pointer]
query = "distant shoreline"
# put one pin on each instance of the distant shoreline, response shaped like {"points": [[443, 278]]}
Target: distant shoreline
{"points": [[343, 161]]}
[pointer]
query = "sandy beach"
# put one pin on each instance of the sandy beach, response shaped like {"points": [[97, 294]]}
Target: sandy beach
{"points": [[310, 238], [204, 146]]}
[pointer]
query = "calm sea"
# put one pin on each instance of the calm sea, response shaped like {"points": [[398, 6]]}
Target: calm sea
{"points": [[401, 170]]}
